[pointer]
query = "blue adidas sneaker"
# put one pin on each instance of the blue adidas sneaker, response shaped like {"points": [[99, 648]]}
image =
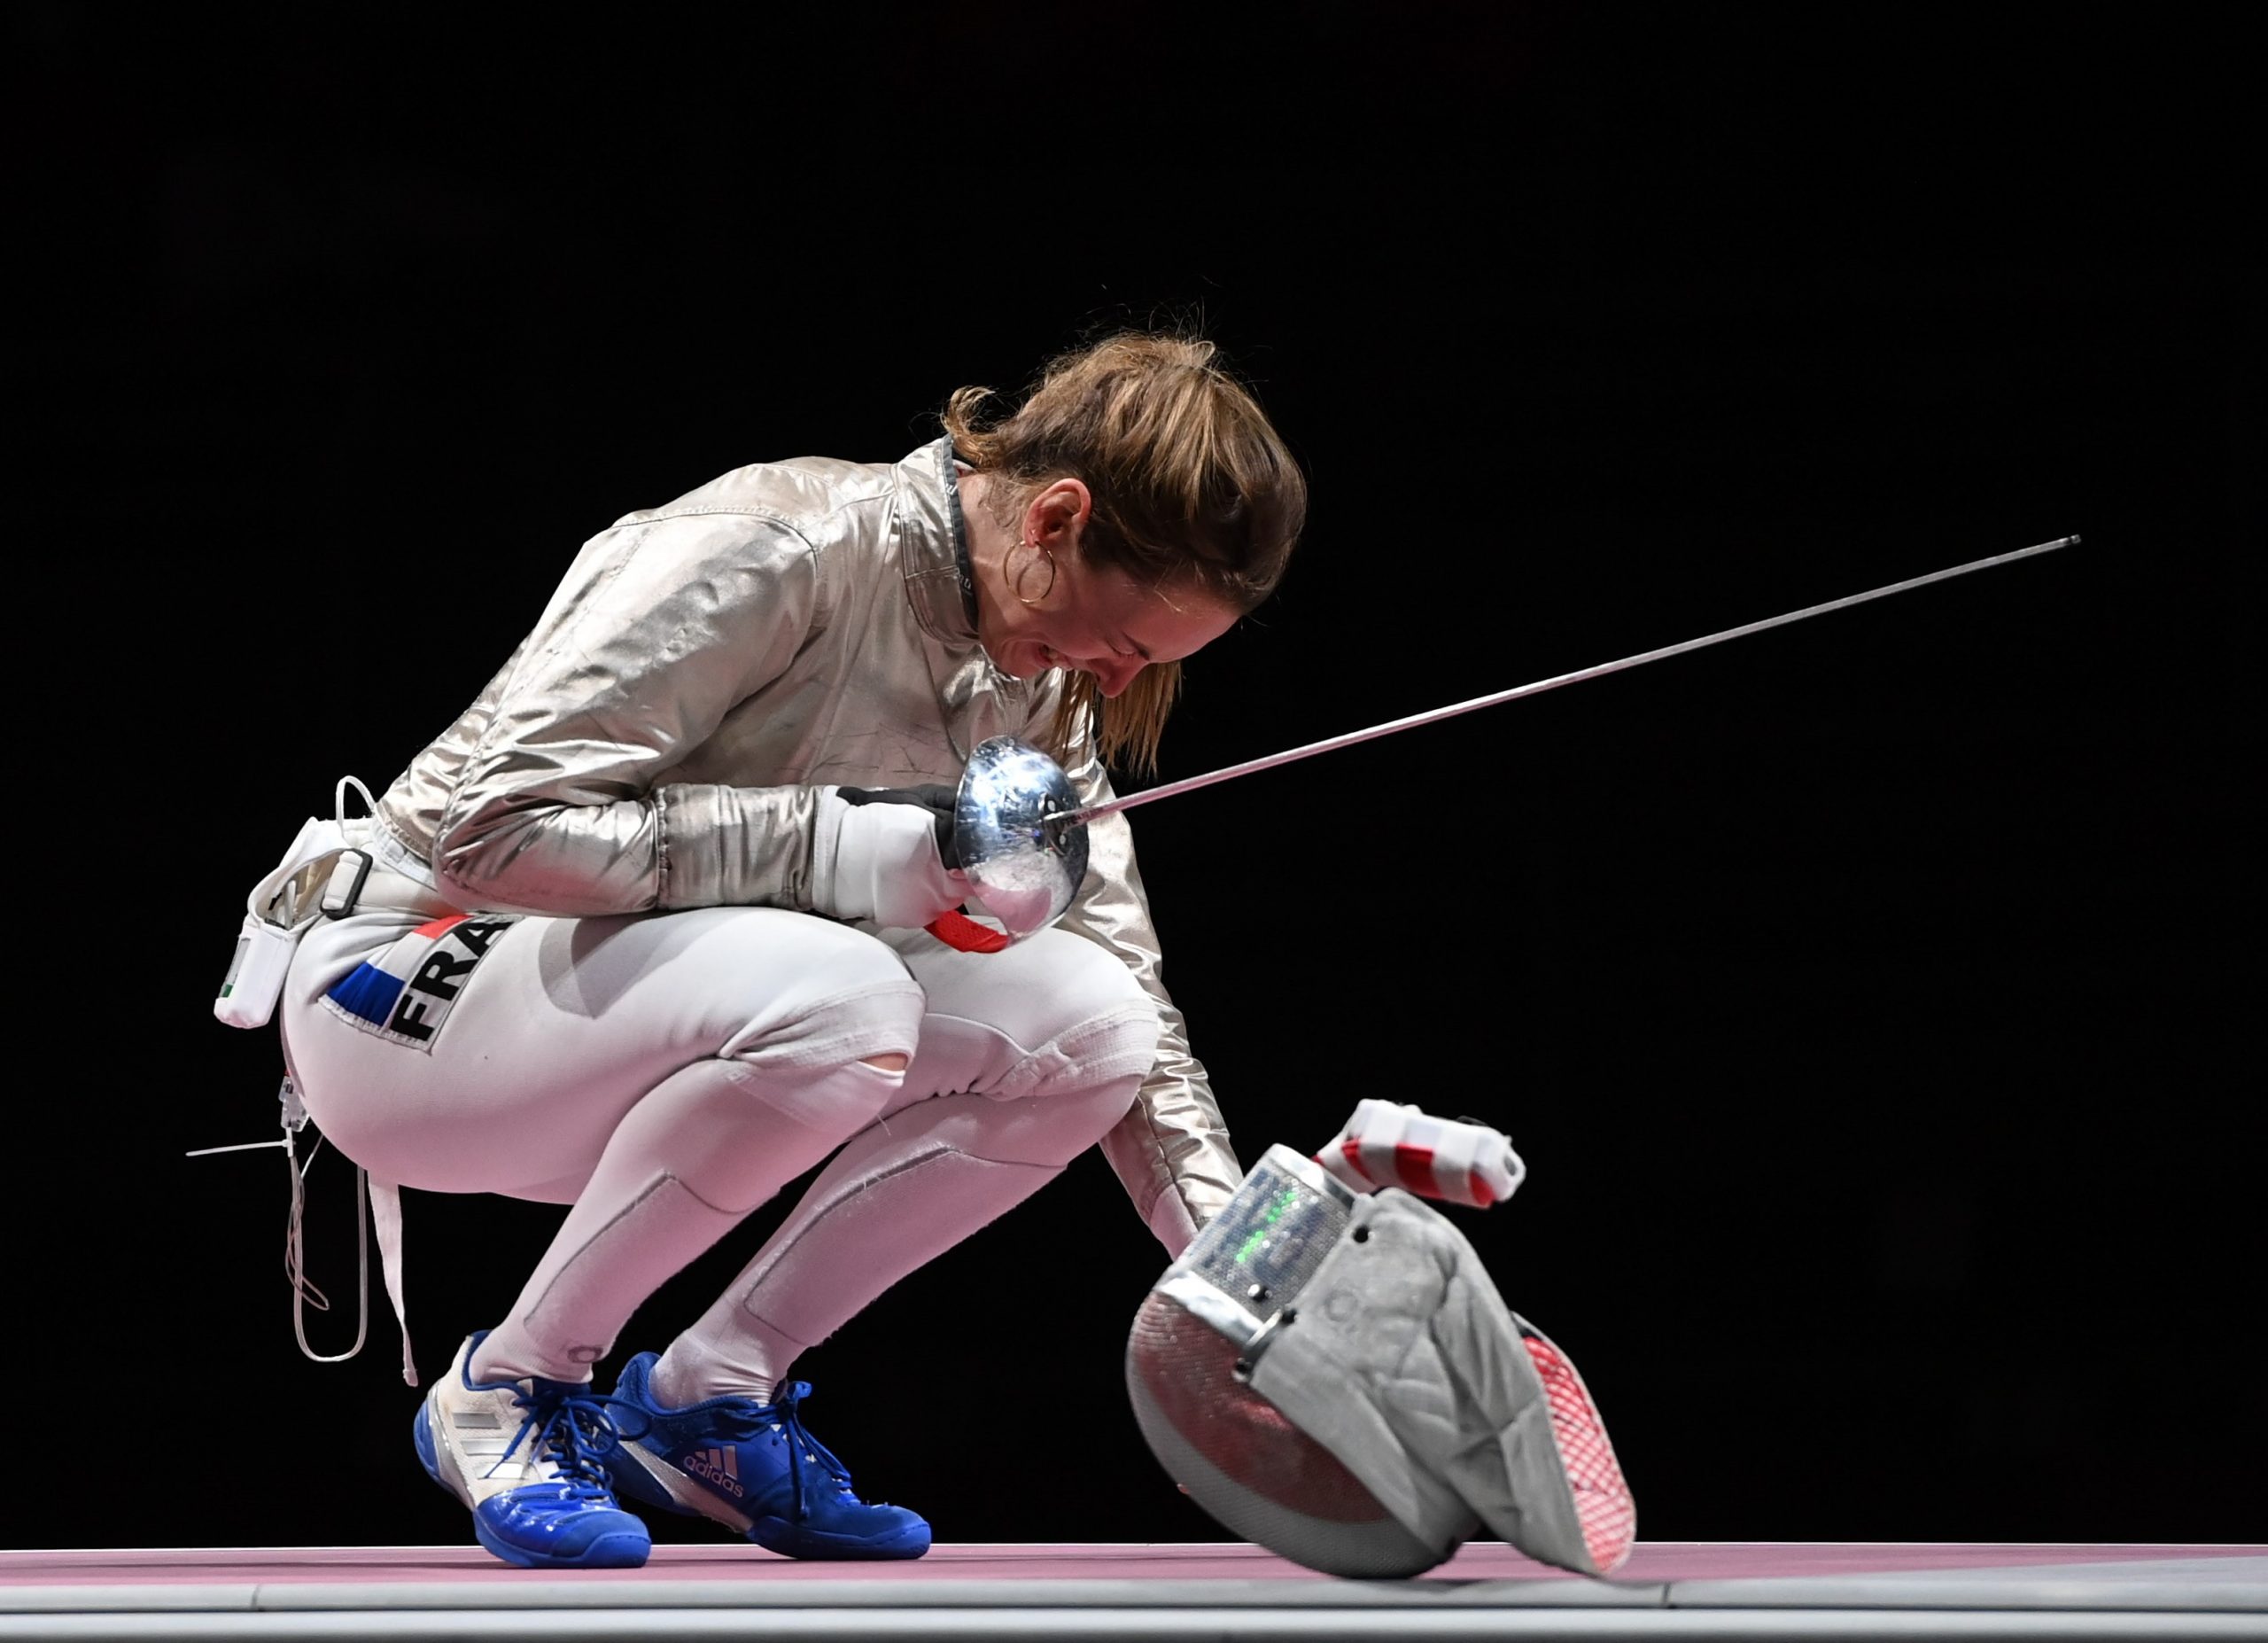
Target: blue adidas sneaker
{"points": [[529, 1457], [754, 1468]]}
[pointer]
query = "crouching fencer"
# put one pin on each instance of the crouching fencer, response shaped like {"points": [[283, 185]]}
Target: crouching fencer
{"points": [[1334, 1376], [670, 916]]}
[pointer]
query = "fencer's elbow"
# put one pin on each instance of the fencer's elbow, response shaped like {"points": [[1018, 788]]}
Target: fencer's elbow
{"points": [[470, 876], [503, 869]]}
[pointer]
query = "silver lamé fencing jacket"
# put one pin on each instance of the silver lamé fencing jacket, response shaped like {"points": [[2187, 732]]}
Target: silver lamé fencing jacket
{"points": [[656, 741]]}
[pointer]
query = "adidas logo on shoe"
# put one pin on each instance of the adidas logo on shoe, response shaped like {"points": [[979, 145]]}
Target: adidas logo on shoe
{"points": [[755, 1468], [718, 1467]]}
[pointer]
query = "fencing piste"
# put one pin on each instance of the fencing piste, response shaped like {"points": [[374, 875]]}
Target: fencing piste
{"points": [[1334, 1376]]}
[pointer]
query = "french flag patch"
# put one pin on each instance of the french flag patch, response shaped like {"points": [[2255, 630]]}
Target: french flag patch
{"points": [[406, 993]]}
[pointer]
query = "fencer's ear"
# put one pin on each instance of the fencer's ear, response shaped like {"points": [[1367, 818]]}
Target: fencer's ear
{"points": [[1058, 513]]}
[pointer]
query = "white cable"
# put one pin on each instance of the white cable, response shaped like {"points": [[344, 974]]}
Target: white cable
{"points": [[339, 799], [304, 1292]]}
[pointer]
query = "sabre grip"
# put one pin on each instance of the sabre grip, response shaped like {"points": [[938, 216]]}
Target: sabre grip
{"points": [[934, 796]]}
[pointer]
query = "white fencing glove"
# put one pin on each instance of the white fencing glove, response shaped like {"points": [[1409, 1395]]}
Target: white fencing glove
{"points": [[887, 863]]}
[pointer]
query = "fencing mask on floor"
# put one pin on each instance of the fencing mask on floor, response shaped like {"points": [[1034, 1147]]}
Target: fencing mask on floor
{"points": [[1330, 1373]]}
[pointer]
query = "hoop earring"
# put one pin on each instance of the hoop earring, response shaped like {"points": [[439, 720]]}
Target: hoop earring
{"points": [[1015, 587]]}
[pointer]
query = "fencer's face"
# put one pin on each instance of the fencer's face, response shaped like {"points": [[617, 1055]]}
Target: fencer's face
{"points": [[1097, 620], [1042, 605]]}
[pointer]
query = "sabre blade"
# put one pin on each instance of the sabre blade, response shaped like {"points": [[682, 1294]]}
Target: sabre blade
{"points": [[1188, 784]]}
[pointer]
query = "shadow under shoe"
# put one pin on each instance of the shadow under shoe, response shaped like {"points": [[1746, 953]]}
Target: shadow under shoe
{"points": [[529, 1457], [756, 1469]]}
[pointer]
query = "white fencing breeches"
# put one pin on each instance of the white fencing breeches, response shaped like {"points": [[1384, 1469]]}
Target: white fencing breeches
{"points": [[666, 1075], [1027, 1058]]}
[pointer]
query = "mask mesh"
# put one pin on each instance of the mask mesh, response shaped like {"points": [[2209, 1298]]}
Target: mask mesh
{"points": [[1251, 1469]]}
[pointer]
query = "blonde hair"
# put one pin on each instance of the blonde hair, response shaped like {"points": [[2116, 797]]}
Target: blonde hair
{"points": [[1192, 490]]}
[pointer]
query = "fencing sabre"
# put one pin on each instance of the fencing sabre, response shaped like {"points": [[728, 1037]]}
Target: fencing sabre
{"points": [[1021, 832]]}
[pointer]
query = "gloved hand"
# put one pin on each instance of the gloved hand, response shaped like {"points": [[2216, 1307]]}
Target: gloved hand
{"points": [[934, 796], [887, 860]]}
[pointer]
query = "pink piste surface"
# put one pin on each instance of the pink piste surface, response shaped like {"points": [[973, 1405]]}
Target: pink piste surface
{"points": [[1650, 1563]]}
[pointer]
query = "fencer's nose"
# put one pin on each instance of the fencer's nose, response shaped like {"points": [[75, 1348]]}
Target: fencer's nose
{"points": [[1113, 674]]}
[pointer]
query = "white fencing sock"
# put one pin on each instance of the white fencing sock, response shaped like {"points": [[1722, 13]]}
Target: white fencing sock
{"points": [[704, 1148], [900, 1194]]}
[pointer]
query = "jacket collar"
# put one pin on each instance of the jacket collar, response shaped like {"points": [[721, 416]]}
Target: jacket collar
{"points": [[933, 546]]}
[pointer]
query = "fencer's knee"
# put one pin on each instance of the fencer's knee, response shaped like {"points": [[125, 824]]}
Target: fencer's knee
{"points": [[1077, 1119], [839, 1039], [1098, 1027], [1088, 1002]]}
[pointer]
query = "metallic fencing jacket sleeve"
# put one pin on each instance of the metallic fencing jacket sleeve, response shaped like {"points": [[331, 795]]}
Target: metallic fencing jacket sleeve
{"points": [[545, 790], [1172, 1150]]}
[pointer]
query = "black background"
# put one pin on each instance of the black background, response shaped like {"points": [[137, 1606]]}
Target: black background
{"points": [[1871, 999]]}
